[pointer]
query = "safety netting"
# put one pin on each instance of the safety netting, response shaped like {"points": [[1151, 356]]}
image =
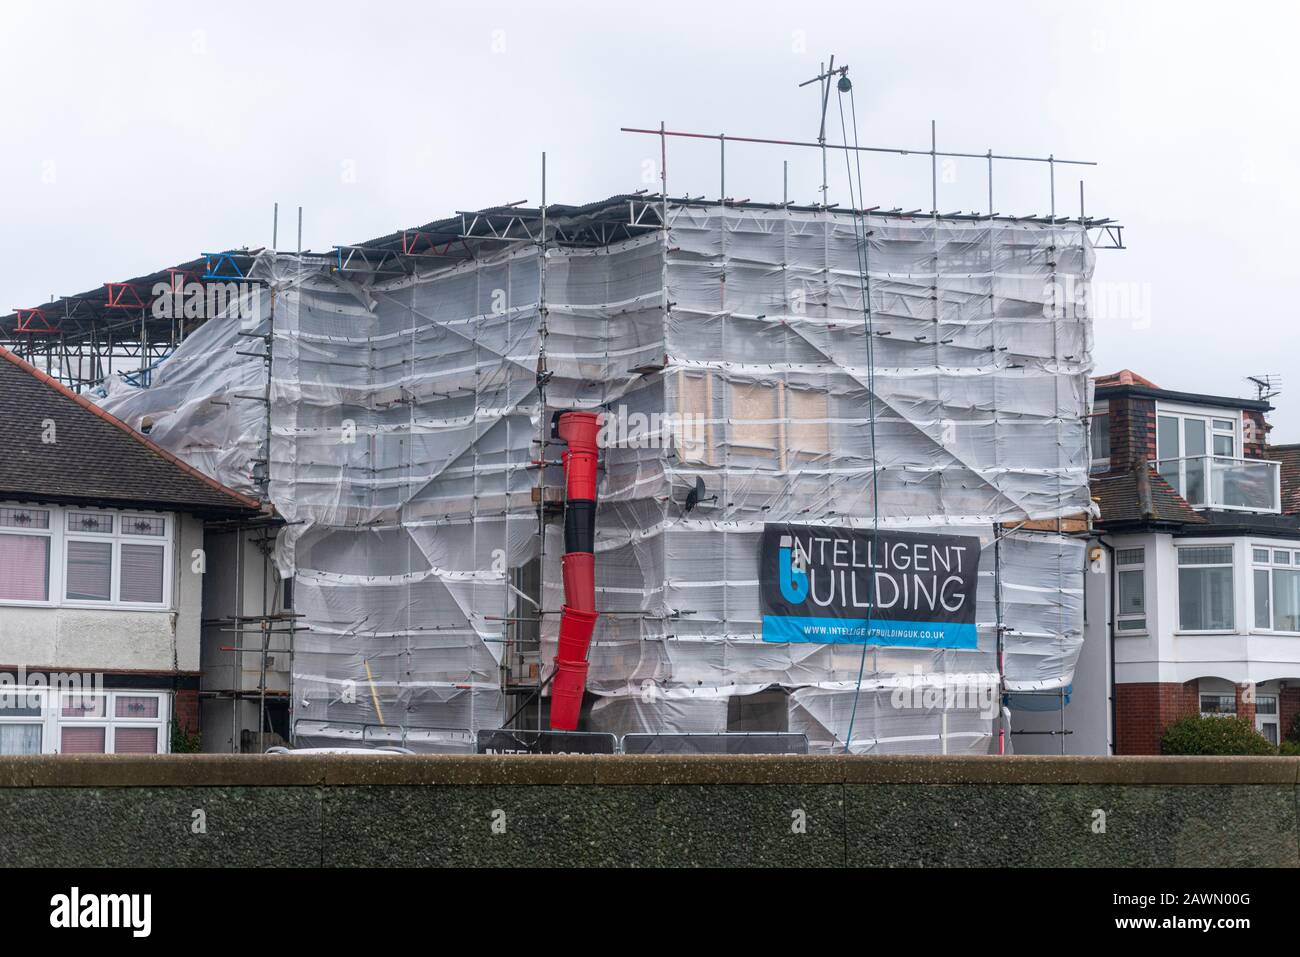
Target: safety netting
{"points": [[743, 385]]}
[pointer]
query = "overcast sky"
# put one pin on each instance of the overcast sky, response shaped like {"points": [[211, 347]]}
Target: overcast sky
{"points": [[139, 135]]}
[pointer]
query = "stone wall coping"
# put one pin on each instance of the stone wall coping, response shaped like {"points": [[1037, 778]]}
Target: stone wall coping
{"points": [[225, 770]]}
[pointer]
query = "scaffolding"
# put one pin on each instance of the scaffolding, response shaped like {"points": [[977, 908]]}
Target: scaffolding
{"points": [[394, 408]]}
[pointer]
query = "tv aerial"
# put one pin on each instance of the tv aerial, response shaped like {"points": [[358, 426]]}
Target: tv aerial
{"points": [[1266, 386]]}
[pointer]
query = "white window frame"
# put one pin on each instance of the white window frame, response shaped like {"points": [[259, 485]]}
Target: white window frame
{"points": [[1231, 565], [1209, 417], [1100, 411], [7, 717], [60, 534], [1275, 719], [1270, 566], [54, 555], [53, 721], [1120, 568], [1200, 704]]}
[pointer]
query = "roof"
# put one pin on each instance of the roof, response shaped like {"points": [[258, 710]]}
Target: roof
{"points": [[1123, 499], [123, 304], [95, 457], [1129, 383], [1289, 457], [445, 241], [1123, 377]]}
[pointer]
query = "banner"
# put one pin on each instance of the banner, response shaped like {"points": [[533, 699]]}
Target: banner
{"points": [[843, 586]]}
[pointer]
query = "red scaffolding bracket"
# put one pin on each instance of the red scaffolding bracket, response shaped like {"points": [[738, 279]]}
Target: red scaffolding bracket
{"points": [[28, 319], [177, 278], [123, 295]]}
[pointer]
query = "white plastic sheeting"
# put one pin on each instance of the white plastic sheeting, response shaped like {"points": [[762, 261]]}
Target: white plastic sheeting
{"points": [[731, 347]]}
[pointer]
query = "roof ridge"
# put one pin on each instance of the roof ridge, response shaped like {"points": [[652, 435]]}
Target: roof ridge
{"points": [[244, 500]]}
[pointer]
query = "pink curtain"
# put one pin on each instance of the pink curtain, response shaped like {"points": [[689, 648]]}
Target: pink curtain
{"points": [[24, 567], [83, 740], [135, 740]]}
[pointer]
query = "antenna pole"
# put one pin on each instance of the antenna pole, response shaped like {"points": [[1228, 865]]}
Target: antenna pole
{"points": [[824, 77]]}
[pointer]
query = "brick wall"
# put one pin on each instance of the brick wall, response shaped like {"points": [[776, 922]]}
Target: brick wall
{"points": [[185, 709], [1255, 434], [1144, 710], [1288, 706], [1132, 431], [1246, 702]]}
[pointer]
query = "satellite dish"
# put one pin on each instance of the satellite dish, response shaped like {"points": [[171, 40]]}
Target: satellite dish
{"points": [[696, 495]]}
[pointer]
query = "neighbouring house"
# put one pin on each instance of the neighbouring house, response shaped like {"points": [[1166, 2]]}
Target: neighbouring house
{"points": [[1193, 595], [102, 575]]}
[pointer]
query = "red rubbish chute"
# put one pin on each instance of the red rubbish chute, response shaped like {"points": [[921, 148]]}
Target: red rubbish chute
{"points": [[578, 618]]}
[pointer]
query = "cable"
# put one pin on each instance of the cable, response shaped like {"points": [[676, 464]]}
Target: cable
{"points": [[861, 237]]}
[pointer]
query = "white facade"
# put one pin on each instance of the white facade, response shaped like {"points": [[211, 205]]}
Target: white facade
{"points": [[87, 592], [1175, 646]]}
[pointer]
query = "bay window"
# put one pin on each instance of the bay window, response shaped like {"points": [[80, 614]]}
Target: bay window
{"points": [[1205, 594], [74, 556], [52, 721], [1276, 578]]}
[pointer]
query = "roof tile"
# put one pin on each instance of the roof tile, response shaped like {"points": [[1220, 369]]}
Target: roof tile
{"points": [[93, 456]]}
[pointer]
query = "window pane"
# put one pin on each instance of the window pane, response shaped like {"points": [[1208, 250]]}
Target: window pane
{"points": [[136, 706], [1205, 599], [1193, 437], [1266, 704], [1282, 558], [90, 570], [83, 706], [1132, 624], [1262, 616], [83, 740], [1132, 601], [143, 525], [1100, 434], [1218, 704], [25, 567], [21, 702], [1167, 438], [1223, 445], [135, 740], [1205, 555], [1260, 555], [1269, 730], [20, 739], [24, 518], [100, 523], [142, 573], [1286, 599], [1129, 556]]}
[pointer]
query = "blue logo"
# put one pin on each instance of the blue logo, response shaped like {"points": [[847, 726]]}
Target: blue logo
{"points": [[794, 577]]}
